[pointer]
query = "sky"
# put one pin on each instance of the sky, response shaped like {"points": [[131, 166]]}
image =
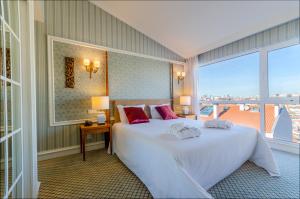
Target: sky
{"points": [[239, 77], [284, 70]]}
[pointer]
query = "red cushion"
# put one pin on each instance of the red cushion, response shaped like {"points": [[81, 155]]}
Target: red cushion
{"points": [[135, 115], [166, 112]]}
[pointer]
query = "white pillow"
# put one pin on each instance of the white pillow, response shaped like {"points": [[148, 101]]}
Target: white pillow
{"points": [[216, 123], [153, 111], [122, 113]]}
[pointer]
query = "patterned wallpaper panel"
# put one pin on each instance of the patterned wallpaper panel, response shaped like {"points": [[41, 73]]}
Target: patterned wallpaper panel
{"points": [[133, 77], [73, 103]]}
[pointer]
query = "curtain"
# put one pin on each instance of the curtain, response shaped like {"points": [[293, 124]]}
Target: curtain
{"points": [[191, 69]]}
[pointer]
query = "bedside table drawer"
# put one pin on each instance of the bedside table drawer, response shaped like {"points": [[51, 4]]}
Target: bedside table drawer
{"points": [[188, 116], [192, 117]]}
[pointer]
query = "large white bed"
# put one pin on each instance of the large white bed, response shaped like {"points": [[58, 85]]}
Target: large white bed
{"points": [[187, 168]]}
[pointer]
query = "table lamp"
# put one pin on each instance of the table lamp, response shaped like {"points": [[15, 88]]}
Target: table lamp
{"points": [[185, 102], [100, 103]]}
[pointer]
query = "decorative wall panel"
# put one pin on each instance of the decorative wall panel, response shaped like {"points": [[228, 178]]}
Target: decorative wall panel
{"points": [[69, 72], [177, 88], [50, 138], [73, 104], [133, 77]]}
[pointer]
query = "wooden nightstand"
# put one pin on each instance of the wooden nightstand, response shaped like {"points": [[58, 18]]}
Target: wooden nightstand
{"points": [[189, 116], [94, 129]]}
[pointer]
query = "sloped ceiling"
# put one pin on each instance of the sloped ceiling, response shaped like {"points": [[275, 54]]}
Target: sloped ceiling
{"points": [[192, 27]]}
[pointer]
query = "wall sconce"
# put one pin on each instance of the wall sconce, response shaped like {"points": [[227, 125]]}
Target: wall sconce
{"points": [[91, 67], [180, 76]]}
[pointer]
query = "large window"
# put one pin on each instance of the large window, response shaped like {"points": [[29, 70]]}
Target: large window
{"points": [[233, 79], [241, 90]]}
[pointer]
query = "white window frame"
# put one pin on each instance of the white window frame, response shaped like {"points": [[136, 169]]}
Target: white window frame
{"points": [[9, 190], [264, 97]]}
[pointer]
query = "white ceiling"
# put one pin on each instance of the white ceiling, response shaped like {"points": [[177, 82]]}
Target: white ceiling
{"points": [[192, 27]]}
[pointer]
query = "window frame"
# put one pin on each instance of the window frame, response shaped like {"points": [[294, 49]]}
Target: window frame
{"points": [[9, 189]]}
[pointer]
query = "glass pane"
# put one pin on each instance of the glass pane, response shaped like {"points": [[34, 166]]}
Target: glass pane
{"points": [[0, 9], [9, 107], [2, 173], [15, 157], [269, 119], [14, 16], [5, 8], [2, 109], [282, 122], [7, 53], [206, 111], [284, 72], [17, 191], [14, 55], [9, 162], [1, 51], [241, 114], [233, 79], [16, 107]]}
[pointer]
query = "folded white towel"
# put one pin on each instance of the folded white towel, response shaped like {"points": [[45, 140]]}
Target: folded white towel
{"points": [[220, 124], [182, 131]]}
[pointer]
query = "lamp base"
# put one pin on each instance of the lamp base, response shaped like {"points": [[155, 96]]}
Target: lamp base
{"points": [[101, 118], [185, 110]]}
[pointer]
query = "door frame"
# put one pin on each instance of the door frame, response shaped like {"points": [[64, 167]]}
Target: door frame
{"points": [[27, 37]]}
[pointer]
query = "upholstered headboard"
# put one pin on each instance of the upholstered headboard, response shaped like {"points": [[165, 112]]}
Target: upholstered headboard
{"points": [[136, 102]]}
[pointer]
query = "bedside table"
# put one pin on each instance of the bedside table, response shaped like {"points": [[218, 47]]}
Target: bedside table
{"points": [[94, 129], [188, 116]]}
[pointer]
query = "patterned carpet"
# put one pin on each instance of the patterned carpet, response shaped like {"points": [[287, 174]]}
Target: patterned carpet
{"points": [[104, 176]]}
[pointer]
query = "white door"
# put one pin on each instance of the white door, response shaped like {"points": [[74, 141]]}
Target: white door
{"points": [[11, 132]]}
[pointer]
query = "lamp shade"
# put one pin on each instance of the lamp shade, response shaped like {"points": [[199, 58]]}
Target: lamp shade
{"points": [[185, 100], [86, 62], [100, 102], [97, 63]]}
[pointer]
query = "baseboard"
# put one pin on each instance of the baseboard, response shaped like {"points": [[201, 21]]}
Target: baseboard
{"points": [[284, 146], [45, 155]]}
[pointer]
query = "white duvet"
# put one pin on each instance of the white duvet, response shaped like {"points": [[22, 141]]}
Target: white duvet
{"points": [[175, 168]]}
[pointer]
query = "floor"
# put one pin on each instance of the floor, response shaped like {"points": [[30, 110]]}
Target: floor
{"points": [[104, 176]]}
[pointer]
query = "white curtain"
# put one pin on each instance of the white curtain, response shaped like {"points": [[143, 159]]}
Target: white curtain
{"points": [[191, 69]]}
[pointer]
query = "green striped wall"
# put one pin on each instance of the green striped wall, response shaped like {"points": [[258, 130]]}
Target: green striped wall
{"points": [[49, 138], [281, 33], [81, 21]]}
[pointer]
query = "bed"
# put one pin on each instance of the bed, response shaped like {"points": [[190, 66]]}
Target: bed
{"points": [[172, 168]]}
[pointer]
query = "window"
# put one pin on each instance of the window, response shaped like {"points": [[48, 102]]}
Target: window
{"points": [[233, 79], [230, 90], [284, 72]]}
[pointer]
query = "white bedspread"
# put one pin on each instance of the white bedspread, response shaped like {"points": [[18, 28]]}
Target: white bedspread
{"points": [[187, 168]]}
